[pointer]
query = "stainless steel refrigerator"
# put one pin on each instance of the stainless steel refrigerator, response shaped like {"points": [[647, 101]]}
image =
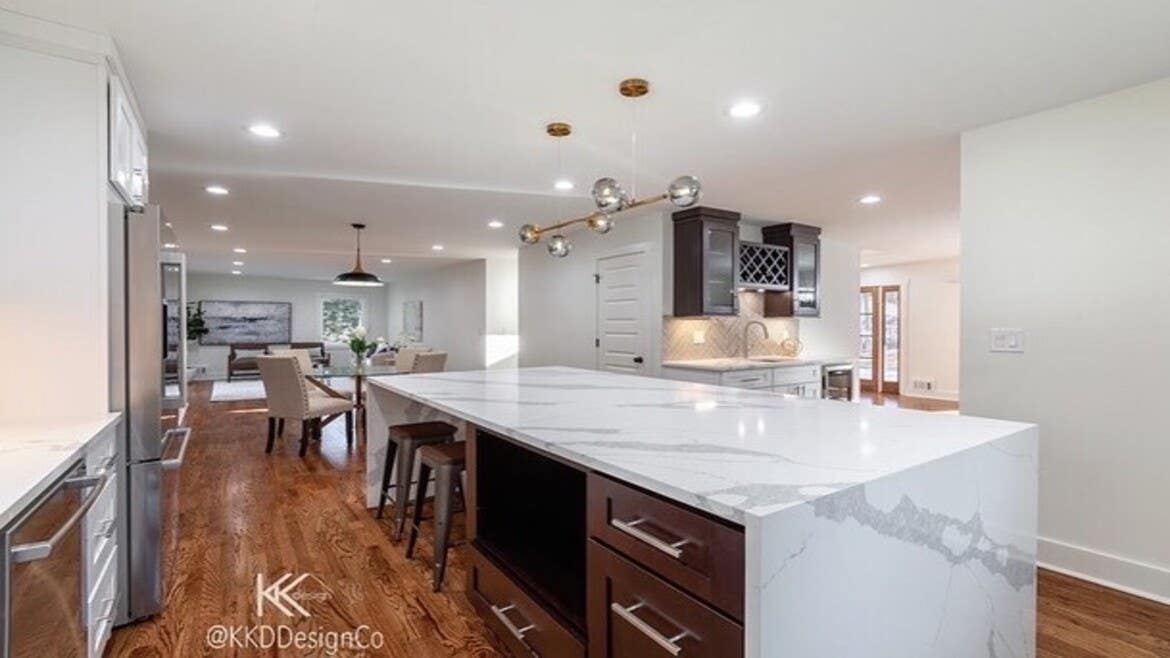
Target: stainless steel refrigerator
{"points": [[148, 375]]}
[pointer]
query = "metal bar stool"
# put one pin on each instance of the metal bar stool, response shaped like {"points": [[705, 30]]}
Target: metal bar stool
{"points": [[448, 462], [406, 440]]}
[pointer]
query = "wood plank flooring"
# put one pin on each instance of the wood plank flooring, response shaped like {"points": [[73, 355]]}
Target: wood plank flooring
{"points": [[234, 512], [906, 402]]}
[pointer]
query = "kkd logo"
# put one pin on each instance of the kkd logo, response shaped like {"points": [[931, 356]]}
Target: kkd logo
{"points": [[286, 595]]}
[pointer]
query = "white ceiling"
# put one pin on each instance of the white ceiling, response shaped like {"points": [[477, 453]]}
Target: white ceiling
{"points": [[425, 119]]}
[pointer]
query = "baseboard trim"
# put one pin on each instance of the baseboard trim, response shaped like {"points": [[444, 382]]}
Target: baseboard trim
{"points": [[947, 396], [1141, 579]]}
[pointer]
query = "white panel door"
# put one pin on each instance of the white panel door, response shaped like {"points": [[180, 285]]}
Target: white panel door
{"points": [[623, 321]]}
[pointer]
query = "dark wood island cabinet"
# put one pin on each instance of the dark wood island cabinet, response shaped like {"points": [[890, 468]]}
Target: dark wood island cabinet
{"points": [[566, 562]]}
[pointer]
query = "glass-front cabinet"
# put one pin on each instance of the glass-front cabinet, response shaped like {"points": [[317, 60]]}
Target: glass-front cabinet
{"points": [[176, 373], [803, 299], [706, 262]]}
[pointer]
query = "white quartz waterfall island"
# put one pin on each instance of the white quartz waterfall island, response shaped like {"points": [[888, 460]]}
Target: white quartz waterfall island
{"points": [[627, 516]]}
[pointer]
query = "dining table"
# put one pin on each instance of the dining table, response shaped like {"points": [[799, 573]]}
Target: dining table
{"points": [[359, 372]]}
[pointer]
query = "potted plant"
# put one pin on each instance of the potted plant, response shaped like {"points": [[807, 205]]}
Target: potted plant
{"points": [[361, 346], [196, 325]]}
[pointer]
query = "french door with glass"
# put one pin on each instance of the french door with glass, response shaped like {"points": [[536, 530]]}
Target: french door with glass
{"points": [[880, 348]]}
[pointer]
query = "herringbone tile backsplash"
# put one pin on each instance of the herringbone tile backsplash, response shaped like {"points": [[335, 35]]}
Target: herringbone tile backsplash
{"points": [[724, 334]]}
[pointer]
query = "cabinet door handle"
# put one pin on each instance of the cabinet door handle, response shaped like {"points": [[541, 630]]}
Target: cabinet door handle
{"points": [[668, 643], [176, 461], [631, 528], [517, 631]]}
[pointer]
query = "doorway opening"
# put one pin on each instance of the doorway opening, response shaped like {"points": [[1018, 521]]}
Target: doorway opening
{"points": [[880, 347]]}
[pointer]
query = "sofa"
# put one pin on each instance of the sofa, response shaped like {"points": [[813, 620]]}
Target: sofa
{"points": [[242, 356]]}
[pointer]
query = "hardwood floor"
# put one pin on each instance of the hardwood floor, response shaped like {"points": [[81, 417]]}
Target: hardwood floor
{"points": [[235, 512], [907, 402], [238, 512]]}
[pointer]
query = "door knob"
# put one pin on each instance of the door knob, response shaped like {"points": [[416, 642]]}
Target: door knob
{"points": [[638, 359]]}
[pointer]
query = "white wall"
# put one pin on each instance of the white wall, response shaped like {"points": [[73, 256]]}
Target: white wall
{"points": [[304, 295], [1066, 235], [502, 344], [558, 308], [53, 233], [930, 322], [836, 333], [454, 311]]}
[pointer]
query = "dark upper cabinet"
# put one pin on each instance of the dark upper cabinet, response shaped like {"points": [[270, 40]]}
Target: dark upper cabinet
{"points": [[803, 298], [706, 261]]}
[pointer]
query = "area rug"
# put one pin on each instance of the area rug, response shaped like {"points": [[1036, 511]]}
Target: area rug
{"points": [[253, 389]]}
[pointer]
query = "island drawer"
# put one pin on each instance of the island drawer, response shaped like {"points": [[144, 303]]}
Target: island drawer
{"points": [[635, 614], [524, 625], [700, 554]]}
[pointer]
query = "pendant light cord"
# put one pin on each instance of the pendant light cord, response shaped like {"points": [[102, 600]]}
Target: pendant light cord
{"points": [[634, 151]]}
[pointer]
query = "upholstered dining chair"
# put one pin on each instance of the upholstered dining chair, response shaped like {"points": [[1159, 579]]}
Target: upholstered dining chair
{"points": [[430, 362], [404, 362], [288, 396], [304, 359]]}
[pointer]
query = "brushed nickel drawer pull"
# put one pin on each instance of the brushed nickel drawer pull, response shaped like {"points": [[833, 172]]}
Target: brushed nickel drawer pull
{"points": [[502, 615], [631, 528], [668, 643]]}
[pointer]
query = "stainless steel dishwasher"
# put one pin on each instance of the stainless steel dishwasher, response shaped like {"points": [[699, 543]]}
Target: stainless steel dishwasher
{"points": [[42, 597]]}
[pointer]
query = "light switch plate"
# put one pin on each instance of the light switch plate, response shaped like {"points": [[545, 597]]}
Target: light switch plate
{"points": [[698, 337], [1007, 340]]}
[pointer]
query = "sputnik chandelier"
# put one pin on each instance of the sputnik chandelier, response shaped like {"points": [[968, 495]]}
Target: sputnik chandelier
{"points": [[608, 195]]}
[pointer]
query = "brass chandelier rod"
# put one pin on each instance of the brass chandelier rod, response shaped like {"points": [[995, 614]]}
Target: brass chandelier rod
{"points": [[609, 197], [598, 214]]}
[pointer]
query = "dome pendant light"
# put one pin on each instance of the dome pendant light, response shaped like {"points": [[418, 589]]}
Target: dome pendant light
{"points": [[357, 276]]}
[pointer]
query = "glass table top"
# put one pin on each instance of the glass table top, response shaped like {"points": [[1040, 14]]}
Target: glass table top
{"points": [[354, 370]]}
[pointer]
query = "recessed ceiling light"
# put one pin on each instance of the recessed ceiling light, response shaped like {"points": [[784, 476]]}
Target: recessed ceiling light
{"points": [[265, 130], [495, 223], [218, 190], [744, 109], [563, 184], [238, 263], [240, 250], [237, 272], [865, 264], [869, 200], [387, 261], [219, 227], [436, 247], [170, 245]]}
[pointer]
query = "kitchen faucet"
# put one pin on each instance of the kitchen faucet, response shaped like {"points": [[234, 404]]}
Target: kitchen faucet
{"points": [[748, 327]]}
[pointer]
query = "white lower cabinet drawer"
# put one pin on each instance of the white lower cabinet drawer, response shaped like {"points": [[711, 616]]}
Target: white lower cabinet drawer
{"points": [[101, 606], [748, 378], [101, 530], [796, 375]]}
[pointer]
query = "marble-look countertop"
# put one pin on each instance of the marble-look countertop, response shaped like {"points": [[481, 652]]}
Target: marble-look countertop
{"points": [[731, 364], [34, 454], [735, 453]]}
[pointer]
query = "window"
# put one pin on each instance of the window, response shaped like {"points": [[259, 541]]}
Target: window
{"points": [[339, 315]]}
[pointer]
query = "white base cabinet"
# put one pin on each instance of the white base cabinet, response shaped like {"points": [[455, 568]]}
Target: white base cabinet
{"points": [[802, 381], [99, 545]]}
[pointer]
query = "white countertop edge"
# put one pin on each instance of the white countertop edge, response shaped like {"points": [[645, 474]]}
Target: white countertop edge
{"points": [[88, 428], [728, 512], [721, 510]]}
